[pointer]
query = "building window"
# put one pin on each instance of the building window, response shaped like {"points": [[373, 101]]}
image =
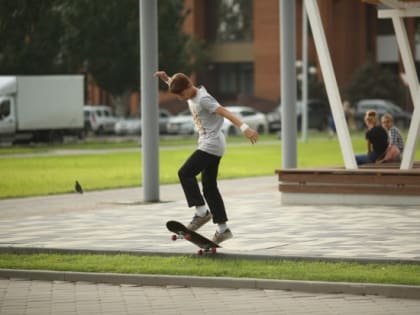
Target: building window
{"points": [[232, 79], [229, 20]]}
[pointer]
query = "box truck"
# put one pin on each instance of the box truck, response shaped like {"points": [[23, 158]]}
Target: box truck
{"points": [[41, 108]]}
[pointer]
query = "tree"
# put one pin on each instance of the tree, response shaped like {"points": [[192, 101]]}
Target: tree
{"points": [[178, 51], [104, 35], [95, 36], [373, 81], [30, 33]]}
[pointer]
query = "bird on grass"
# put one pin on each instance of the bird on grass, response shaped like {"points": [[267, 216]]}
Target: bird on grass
{"points": [[78, 188]]}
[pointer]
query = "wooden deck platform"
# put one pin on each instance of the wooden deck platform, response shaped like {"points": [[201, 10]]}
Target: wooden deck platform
{"points": [[371, 184]]}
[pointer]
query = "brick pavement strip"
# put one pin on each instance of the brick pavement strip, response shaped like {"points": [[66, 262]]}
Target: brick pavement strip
{"points": [[61, 297], [388, 290]]}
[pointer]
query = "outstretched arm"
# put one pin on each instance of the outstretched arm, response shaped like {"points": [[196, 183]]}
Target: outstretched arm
{"points": [[250, 133], [163, 76]]}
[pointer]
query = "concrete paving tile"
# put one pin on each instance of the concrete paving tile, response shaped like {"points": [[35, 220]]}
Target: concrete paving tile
{"points": [[98, 221]]}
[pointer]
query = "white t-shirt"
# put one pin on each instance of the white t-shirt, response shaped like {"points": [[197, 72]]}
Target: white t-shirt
{"points": [[209, 124]]}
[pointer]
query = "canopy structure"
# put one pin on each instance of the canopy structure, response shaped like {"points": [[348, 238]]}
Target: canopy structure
{"points": [[387, 9], [397, 11], [396, 4]]}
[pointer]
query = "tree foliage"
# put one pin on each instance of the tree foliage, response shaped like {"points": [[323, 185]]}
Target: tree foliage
{"points": [[373, 81], [101, 37], [178, 51], [30, 36]]}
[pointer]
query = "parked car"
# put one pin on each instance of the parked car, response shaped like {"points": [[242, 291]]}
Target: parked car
{"points": [[99, 119], [129, 126], [402, 118], [181, 124], [318, 113], [255, 119], [164, 116]]}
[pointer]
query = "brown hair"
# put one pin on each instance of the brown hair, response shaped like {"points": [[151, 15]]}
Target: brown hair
{"points": [[371, 117], [388, 117], [179, 82]]}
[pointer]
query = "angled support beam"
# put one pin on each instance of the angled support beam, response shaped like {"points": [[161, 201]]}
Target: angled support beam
{"points": [[412, 79], [331, 84], [412, 137]]}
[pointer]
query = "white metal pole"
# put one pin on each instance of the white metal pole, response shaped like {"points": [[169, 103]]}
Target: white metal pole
{"points": [[288, 83], [149, 99], [304, 74], [331, 84]]}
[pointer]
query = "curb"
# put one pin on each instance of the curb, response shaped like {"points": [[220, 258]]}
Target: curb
{"points": [[394, 291]]}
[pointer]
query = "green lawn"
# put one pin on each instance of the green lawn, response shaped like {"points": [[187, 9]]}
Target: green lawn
{"points": [[218, 267], [32, 175]]}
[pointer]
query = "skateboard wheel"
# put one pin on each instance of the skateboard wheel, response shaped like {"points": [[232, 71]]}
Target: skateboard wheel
{"points": [[200, 252], [213, 250], [174, 237], [188, 237]]}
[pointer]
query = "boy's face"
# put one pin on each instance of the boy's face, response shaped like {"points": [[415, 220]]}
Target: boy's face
{"points": [[386, 123], [185, 94]]}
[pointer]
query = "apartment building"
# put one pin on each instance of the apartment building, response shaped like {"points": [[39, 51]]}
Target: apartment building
{"points": [[243, 37]]}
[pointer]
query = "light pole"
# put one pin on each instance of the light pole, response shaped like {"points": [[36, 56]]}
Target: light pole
{"points": [[149, 99], [288, 83]]}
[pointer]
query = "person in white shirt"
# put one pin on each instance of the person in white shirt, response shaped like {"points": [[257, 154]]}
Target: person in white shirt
{"points": [[208, 116]]}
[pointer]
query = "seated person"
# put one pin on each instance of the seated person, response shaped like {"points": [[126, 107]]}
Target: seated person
{"points": [[394, 133], [377, 140]]}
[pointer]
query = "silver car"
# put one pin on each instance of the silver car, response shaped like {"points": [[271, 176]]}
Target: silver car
{"points": [[181, 124], [253, 118], [129, 126]]}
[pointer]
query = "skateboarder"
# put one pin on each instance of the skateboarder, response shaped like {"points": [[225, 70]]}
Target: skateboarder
{"points": [[208, 116]]}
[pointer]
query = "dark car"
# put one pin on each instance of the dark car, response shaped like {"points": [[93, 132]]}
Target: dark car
{"points": [[402, 118], [318, 113]]}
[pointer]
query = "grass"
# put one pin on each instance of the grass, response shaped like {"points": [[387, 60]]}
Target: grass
{"points": [[32, 175], [218, 267]]}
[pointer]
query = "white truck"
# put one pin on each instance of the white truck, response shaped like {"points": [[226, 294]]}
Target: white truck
{"points": [[41, 108]]}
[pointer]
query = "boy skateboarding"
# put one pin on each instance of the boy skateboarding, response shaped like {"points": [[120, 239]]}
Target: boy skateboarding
{"points": [[208, 116]]}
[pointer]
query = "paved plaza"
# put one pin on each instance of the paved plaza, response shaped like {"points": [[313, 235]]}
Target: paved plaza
{"points": [[118, 220]]}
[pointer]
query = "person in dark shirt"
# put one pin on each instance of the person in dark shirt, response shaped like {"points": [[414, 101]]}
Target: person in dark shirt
{"points": [[377, 140]]}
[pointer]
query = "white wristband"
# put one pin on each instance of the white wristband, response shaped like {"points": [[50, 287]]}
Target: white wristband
{"points": [[244, 127]]}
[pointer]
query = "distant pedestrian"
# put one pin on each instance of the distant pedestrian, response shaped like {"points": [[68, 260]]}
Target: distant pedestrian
{"points": [[332, 130]]}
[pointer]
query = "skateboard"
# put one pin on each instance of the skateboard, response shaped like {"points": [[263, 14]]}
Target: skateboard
{"points": [[182, 232]]}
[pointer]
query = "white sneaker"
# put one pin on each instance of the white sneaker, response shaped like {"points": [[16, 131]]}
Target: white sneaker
{"points": [[197, 221], [221, 237]]}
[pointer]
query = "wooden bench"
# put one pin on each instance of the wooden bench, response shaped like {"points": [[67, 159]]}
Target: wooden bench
{"points": [[387, 180]]}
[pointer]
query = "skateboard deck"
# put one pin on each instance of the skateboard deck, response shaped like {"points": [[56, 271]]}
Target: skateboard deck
{"points": [[181, 232]]}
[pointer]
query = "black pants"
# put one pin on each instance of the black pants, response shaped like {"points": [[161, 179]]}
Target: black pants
{"points": [[208, 165]]}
